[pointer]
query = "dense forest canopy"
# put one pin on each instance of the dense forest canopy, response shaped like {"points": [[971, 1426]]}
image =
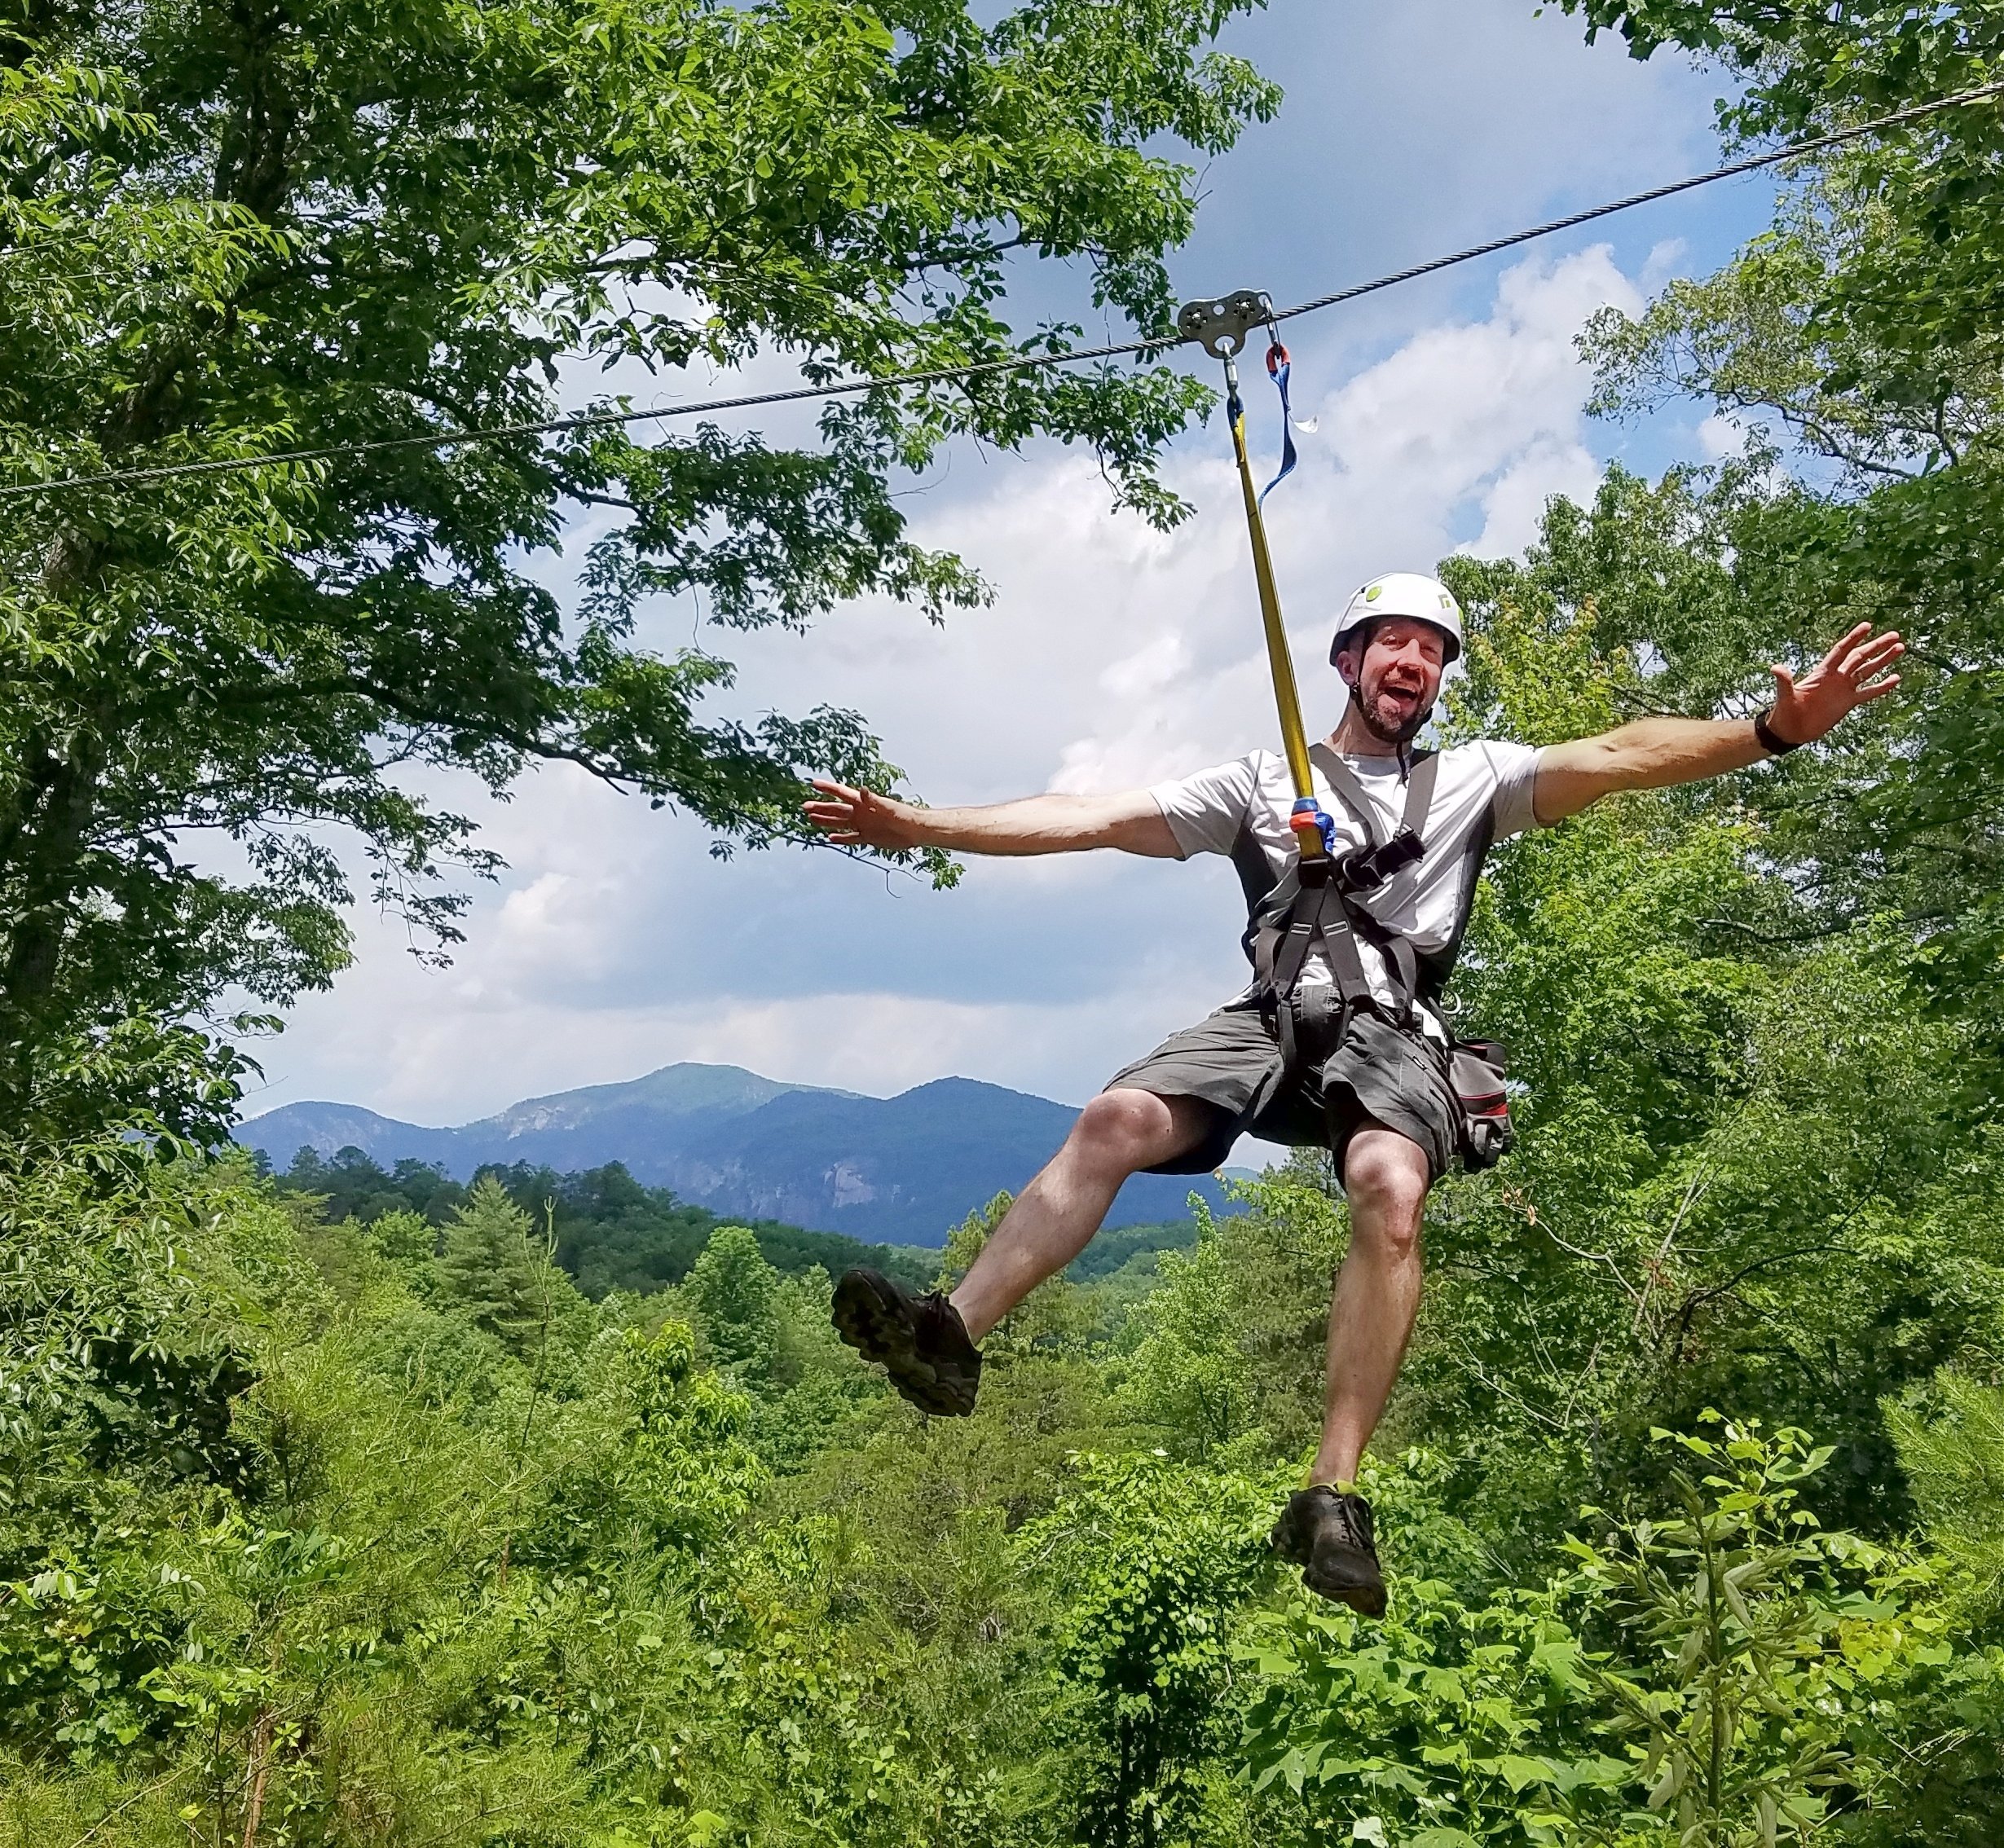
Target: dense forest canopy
{"points": [[340, 1514]]}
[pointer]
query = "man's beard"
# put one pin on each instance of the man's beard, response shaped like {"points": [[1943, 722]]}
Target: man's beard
{"points": [[1367, 710]]}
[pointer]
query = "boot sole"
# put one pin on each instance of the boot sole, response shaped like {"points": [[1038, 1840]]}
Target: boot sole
{"points": [[869, 1317], [1367, 1600]]}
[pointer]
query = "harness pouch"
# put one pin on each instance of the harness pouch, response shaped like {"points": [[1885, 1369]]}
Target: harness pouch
{"points": [[1319, 1018], [1475, 1069]]}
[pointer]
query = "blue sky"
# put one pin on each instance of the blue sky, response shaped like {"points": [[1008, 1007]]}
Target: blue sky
{"points": [[1448, 410]]}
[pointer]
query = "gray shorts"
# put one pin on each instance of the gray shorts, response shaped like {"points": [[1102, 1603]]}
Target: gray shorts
{"points": [[1380, 1073]]}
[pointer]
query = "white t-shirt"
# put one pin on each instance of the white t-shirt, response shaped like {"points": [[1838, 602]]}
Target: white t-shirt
{"points": [[1244, 805]]}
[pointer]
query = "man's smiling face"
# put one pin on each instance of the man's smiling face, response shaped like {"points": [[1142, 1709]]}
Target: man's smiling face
{"points": [[1396, 679]]}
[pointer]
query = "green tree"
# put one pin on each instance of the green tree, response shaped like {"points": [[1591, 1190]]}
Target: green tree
{"points": [[1763, 1642], [1952, 1451], [736, 1292], [1952, 1446], [1719, 1678], [677, 1472], [1864, 329], [1456, 1722], [1188, 1376], [1153, 1558], [1224, 1358], [229, 232], [405, 1238], [496, 1271]]}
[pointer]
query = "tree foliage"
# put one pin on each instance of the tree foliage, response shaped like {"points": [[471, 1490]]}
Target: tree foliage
{"points": [[229, 233], [612, 1233], [1863, 329]]}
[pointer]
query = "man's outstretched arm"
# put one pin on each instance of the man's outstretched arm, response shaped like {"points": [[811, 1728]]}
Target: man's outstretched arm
{"points": [[1655, 753], [1041, 823]]}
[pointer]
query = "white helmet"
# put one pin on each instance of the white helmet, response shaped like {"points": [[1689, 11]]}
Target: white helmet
{"points": [[1402, 593]]}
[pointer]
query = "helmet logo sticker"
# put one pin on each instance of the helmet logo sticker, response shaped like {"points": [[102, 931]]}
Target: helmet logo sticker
{"points": [[1374, 593]]}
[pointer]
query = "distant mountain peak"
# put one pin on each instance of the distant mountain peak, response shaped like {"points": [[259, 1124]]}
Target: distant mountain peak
{"points": [[682, 1090], [964, 1087], [900, 1169]]}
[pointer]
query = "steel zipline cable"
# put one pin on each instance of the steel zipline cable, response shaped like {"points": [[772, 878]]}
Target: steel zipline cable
{"points": [[1794, 150], [981, 368]]}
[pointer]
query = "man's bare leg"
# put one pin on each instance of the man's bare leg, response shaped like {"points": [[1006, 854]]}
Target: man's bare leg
{"points": [[1377, 1294], [1118, 1133]]}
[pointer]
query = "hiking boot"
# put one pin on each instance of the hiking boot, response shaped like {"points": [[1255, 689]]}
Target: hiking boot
{"points": [[1329, 1536], [920, 1341]]}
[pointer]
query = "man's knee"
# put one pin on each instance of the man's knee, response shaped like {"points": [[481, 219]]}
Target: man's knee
{"points": [[1385, 1176], [1127, 1130]]}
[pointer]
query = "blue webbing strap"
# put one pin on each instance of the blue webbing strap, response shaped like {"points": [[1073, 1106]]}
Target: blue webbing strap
{"points": [[1277, 370]]}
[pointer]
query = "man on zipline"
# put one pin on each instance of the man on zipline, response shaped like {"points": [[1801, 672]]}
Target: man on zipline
{"points": [[1339, 1040]]}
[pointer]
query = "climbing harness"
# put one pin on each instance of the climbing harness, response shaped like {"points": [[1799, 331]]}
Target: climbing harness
{"points": [[1317, 900]]}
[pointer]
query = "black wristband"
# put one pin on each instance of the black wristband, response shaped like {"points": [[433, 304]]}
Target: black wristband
{"points": [[1773, 746]]}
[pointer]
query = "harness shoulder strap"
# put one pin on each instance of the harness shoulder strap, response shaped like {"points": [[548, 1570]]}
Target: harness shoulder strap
{"points": [[1436, 969], [1421, 775], [1346, 783], [1265, 926]]}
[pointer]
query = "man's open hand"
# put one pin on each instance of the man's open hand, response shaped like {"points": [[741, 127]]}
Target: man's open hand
{"points": [[1851, 674], [861, 817]]}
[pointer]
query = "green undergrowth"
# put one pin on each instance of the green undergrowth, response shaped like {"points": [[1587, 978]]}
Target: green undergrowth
{"points": [[365, 1537]]}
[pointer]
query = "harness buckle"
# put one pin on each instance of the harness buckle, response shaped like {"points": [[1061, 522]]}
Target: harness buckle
{"points": [[1221, 326], [1365, 869]]}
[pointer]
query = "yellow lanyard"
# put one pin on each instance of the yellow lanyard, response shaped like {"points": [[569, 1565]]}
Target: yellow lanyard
{"points": [[1222, 327]]}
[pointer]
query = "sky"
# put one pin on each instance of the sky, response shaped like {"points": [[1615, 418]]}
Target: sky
{"points": [[1446, 413]]}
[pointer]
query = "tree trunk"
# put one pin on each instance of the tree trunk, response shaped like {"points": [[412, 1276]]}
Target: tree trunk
{"points": [[260, 1766], [42, 869]]}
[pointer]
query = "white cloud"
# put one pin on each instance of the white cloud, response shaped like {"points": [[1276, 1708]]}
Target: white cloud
{"points": [[1666, 259], [1479, 420], [1721, 436], [1513, 505]]}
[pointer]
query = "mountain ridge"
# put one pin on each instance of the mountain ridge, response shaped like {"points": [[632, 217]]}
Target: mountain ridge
{"points": [[900, 1170]]}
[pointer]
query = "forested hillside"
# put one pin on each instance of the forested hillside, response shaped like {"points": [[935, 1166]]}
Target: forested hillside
{"points": [[606, 1230], [383, 1531], [363, 1526], [612, 1233]]}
